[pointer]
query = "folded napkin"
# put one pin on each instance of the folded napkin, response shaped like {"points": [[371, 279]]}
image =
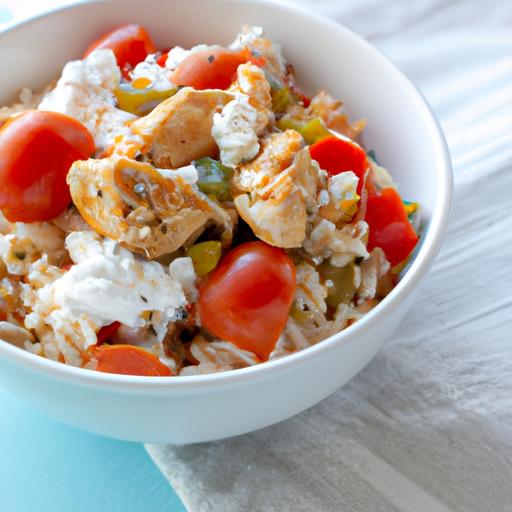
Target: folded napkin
{"points": [[427, 426]]}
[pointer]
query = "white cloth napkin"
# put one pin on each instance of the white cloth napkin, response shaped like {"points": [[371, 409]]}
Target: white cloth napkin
{"points": [[427, 426]]}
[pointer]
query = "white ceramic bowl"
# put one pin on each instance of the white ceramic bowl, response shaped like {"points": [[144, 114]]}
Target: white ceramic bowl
{"points": [[402, 130]]}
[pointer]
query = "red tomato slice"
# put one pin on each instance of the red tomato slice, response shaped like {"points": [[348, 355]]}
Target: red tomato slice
{"points": [[131, 44], [210, 69], [390, 228], [128, 360], [247, 298], [107, 333], [37, 149], [335, 155]]}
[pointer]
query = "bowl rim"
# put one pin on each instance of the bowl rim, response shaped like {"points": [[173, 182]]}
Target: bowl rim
{"points": [[417, 268]]}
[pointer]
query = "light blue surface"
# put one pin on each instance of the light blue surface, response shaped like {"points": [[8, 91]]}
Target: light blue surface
{"points": [[49, 467], [5, 15]]}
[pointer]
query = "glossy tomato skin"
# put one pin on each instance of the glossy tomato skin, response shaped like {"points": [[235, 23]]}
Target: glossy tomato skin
{"points": [[390, 228], [131, 44], [37, 149], [336, 155], [246, 299], [210, 69]]}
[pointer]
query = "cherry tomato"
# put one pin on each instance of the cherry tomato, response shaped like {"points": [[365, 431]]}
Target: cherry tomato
{"points": [[131, 44], [247, 298], [128, 360], [163, 58], [390, 228], [106, 333], [210, 69], [335, 155], [37, 149]]}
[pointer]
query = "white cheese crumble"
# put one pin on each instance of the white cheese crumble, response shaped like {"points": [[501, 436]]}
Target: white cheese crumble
{"points": [[188, 173], [343, 187], [182, 271], [323, 198], [108, 283], [246, 37], [158, 75], [252, 38], [85, 91], [236, 130]]}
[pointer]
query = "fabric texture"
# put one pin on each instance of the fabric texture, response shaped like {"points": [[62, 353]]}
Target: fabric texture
{"points": [[427, 426]]}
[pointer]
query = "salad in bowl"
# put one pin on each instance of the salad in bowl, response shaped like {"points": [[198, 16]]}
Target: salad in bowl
{"points": [[174, 212]]}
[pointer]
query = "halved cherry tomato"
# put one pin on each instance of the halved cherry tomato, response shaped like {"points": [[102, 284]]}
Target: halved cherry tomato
{"points": [[131, 44], [390, 228], [247, 298], [37, 149], [106, 333], [128, 360], [210, 69], [335, 155]]}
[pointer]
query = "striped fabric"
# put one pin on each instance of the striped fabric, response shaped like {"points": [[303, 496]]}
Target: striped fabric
{"points": [[427, 426]]}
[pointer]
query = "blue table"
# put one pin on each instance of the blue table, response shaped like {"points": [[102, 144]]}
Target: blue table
{"points": [[46, 466]]}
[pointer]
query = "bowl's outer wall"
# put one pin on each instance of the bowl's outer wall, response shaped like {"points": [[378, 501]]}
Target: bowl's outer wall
{"points": [[182, 418], [400, 128]]}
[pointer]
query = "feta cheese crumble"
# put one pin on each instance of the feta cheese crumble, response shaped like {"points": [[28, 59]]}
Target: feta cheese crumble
{"points": [[236, 130], [107, 283], [85, 91], [158, 75]]}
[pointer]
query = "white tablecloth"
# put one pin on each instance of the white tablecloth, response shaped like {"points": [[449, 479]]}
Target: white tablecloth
{"points": [[427, 426]]}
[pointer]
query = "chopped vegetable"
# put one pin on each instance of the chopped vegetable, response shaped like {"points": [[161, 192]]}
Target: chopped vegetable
{"points": [[336, 155], [247, 298], [390, 228], [131, 44], [37, 149], [371, 153], [210, 69], [340, 282], [108, 332], [214, 178], [140, 98], [205, 256], [282, 98], [290, 123], [410, 208], [127, 360], [314, 131]]}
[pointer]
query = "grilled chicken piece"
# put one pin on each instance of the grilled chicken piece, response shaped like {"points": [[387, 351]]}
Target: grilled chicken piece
{"points": [[282, 186], [178, 130], [133, 203], [331, 111]]}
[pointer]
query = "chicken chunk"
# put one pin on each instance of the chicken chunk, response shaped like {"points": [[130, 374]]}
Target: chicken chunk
{"points": [[178, 130], [133, 203], [278, 189], [331, 111]]}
